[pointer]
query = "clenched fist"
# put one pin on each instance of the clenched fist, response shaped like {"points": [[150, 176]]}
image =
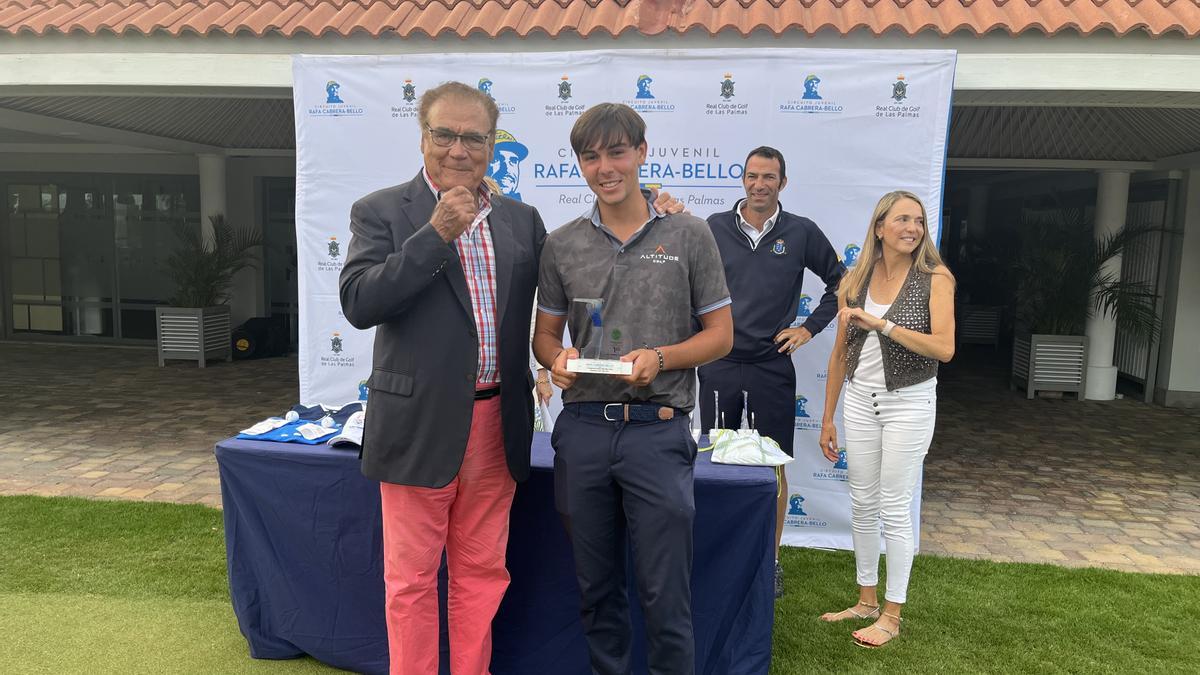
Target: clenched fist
{"points": [[454, 213]]}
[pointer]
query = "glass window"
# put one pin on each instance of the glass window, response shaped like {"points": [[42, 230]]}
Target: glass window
{"points": [[87, 252]]}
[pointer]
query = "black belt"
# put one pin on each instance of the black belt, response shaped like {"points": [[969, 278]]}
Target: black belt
{"points": [[633, 411], [484, 394]]}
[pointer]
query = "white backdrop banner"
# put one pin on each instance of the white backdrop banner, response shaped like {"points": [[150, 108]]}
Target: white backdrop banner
{"points": [[851, 124]]}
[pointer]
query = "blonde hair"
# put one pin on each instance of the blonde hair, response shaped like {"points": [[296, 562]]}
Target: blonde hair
{"points": [[925, 258]]}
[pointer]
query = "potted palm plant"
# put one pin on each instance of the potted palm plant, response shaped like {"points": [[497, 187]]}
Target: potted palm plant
{"points": [[196, 323], [1061, 281]]}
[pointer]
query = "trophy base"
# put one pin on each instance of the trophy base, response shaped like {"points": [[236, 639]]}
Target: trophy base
{"points": [[600, 366]]}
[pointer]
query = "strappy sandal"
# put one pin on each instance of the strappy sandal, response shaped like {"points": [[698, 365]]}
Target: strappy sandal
{"points": [[891, 635], [874, 613]]}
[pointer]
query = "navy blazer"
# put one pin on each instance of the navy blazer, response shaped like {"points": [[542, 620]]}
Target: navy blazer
{"points": [[403, 279]]}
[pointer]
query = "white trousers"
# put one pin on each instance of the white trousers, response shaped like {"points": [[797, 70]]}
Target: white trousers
{"points": [[887, 436]]}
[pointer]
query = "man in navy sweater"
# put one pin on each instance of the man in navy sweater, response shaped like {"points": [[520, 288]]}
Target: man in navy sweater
{"points": [[765, 251]]}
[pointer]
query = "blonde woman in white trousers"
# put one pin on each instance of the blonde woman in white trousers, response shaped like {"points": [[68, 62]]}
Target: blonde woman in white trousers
{"points": [[895, 323]]}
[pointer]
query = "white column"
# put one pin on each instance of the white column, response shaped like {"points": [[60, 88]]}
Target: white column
{"points": [[212, 191], [977, 206], [1112, 200]]}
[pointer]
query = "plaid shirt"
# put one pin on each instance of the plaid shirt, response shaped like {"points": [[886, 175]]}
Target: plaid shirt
{"points": [[478, 259]]}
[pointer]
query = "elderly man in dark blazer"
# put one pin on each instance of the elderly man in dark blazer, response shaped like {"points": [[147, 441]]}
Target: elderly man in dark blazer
{"points": [[445, 271]]}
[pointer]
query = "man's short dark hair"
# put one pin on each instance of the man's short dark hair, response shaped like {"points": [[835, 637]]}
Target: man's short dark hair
{"points": [[606, 125], [462, 92], [767, 152]]}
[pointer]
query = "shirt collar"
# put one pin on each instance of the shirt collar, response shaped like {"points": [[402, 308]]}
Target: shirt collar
{"points": [[594, 216], [485, 197], [737, 210]]}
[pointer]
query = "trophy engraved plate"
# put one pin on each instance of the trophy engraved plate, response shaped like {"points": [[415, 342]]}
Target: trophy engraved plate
{"points": [[603, 344], [600, 366]]}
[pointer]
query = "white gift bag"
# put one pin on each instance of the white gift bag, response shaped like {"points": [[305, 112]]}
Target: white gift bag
{"points": [[746, 447]]}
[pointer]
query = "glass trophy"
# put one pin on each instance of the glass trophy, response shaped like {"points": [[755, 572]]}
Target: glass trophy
{"points": [[602, 344]]}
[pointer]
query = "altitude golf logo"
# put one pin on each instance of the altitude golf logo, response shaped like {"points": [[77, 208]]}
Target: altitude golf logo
{"points": [[660, 256], [334, 105]]}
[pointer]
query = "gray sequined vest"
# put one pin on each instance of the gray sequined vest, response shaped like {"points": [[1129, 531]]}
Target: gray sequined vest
{"points": [[910, 309]]}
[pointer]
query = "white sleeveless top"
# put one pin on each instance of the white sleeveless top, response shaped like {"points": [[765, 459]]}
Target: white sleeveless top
{"points": [[869, 374]]}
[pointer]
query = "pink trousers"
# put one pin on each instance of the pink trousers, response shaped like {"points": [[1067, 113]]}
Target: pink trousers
{"points": [[469, 519]]}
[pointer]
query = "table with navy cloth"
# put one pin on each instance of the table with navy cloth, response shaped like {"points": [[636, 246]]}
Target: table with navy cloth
{"points": [[304, 544]]}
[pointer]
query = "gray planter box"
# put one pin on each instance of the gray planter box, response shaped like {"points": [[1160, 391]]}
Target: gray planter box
{"points": [[193, 333], [1050, 363]]}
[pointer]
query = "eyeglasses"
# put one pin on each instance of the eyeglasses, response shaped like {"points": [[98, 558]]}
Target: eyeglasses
{"points": [[445, 139]]}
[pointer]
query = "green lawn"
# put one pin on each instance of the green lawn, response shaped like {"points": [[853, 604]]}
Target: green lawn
{"points": [[968, 616], [100, 587]]}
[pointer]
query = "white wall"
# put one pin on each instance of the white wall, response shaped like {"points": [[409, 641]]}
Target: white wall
{"points": [[1179, 383], [245, 206]]}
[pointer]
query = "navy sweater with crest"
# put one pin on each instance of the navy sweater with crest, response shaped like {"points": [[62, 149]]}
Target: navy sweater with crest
{"points": [[766, 281]]}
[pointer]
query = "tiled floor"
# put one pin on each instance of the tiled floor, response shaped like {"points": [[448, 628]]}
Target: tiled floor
{"points": [[1112, 484], [1106, 483]]}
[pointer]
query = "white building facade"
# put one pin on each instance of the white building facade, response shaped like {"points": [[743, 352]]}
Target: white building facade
{"points": [[115, 131]]}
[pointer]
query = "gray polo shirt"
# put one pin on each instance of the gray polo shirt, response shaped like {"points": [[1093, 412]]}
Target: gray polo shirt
{"points": [[653, 286]]}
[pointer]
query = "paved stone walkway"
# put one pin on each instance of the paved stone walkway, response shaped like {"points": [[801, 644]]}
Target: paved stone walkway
{"points": [[1110, 484], [108, 422]]}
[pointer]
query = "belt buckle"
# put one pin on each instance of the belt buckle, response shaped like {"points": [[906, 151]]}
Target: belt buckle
{"points": [[607, 418]]}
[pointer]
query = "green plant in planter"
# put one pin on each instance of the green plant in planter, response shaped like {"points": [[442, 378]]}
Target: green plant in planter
{"points": [[203, 271], [1061, 278]]}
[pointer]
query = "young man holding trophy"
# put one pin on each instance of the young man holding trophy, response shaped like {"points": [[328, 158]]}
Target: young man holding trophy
{"points": [[630, 284]]}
